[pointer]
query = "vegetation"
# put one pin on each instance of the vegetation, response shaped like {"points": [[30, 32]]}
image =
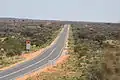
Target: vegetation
{"points": [[96, 51], [12, 39], [95, 54]]}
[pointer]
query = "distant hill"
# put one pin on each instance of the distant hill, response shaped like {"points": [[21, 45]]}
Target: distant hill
{"points": [[20, 20]]}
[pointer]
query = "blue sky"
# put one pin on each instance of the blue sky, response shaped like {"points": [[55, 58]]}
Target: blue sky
{"points": [[80, 10]]}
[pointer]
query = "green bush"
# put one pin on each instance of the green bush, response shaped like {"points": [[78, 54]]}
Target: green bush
{"points": [[12, 46]]}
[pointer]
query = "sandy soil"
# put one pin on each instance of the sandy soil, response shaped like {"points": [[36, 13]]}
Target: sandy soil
{"points": [[32, 55]]}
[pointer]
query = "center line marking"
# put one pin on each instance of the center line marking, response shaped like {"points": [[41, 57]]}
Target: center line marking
{"points": [[29, 65]]}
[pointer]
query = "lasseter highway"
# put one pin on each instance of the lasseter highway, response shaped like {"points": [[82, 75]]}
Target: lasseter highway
{"points": [[47, 57]]}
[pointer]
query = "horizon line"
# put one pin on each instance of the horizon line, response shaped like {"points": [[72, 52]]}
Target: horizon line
{"points": [[57, 20]]}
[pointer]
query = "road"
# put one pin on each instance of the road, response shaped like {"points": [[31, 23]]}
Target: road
{"points": [[48, 57]]}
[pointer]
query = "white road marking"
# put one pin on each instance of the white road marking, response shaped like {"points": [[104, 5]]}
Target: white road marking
{"points": [[29, 65], [66, 38], [38, 61], [28, 72]]}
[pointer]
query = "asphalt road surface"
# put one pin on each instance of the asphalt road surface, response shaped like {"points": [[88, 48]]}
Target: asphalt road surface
{"points": [[48, 57]]}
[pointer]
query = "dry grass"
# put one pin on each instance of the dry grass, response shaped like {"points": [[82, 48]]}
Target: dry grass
{"points": [[112, 64]]}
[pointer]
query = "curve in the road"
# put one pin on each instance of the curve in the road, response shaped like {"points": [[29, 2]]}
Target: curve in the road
{"points": [[52, 53]]}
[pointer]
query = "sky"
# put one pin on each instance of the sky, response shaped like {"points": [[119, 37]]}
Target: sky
{"points": [[73, 10]]}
